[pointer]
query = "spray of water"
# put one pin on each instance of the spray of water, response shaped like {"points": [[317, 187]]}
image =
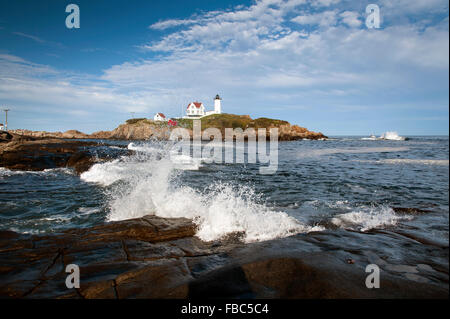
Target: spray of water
{"points": [[147, 184]]}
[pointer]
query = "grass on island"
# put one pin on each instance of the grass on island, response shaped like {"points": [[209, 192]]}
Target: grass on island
{"points": [[217, 120]]}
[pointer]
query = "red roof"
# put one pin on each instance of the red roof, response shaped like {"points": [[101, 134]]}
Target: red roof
{"points": [[162, 115], [197, 104]]}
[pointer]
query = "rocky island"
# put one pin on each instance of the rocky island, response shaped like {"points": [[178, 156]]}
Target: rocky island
{"points": [[142, 129], [38, 150]]}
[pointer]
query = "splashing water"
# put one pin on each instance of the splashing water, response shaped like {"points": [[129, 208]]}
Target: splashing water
{"points": [[146, 184], [367, 218], [393, 136]]}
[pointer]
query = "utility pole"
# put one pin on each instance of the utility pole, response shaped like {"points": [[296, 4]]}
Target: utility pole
{"points": [[6, 119]]}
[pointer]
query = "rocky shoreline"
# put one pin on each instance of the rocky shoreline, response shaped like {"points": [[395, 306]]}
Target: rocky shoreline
{"points": [[39, 150], [143, 129], [29, 153], [153, 257]]}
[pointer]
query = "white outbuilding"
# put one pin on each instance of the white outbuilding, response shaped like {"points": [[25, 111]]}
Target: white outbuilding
{"points": [[195, 109], [159, 117]]}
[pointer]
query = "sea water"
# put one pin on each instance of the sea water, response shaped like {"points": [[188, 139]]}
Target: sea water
{"points": [[344, 183]]}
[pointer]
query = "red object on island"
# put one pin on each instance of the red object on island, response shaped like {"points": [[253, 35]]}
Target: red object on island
{"points": [[172, 123]]}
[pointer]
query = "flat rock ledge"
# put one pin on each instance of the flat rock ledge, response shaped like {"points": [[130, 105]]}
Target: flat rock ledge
{"points": [[37, 154], [153, 257]]}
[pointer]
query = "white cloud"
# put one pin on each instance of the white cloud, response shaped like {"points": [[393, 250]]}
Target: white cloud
{"points": [[33, 88], [37, 39], [351, 18], [250, 55], [255, 58], [251, 50], [402, 7], [337, 58], [162, 25], [324, 3], [324, 19], [32, 37], [15, 67]]}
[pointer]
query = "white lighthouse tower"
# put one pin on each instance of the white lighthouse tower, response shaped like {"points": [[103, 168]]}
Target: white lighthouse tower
{"points": [[217, 106]]}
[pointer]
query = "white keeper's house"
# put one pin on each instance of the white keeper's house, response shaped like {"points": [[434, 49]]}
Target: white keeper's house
{"points": [[159, 117], [197, 109]]}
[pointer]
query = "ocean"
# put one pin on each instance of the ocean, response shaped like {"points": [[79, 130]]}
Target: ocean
{"points": [[344, 184]]}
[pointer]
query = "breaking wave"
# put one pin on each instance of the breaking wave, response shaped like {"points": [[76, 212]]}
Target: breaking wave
{"points": [[393, 136], [367, 218], [146, 184]]}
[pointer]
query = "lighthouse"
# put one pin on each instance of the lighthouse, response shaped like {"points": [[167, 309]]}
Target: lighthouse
{"points": [[217, 106]]}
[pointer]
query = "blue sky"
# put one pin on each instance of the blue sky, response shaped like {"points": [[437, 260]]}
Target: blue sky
{"points": [[313, 63]]}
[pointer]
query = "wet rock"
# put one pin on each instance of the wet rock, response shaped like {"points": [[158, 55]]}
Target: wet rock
{"points": [[40, 154], [410, 210], [35, 266], [415, 277], [148, 229], [402, 268], [153, 257], [81, 162], [424, 267], [165, 278], [5, 137]]}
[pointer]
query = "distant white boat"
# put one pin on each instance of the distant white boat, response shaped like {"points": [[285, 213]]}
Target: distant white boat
{"points": [[371, 138], [392, 136]]}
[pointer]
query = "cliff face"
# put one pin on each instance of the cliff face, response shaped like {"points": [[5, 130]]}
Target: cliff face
{"points": [[136, 131], [142, 129], [286, 132], [294, 132]]}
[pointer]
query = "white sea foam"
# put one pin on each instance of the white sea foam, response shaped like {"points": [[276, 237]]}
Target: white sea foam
{"points": [[115, 147], [4, 172], [341, 204], [55, 219], [393, 136], [414, 161], [398, 161], [182, 162], [185, 162], [366, 218], [142, 148], [110, 172], [87, 210], [150, 187], [353, 150]]}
